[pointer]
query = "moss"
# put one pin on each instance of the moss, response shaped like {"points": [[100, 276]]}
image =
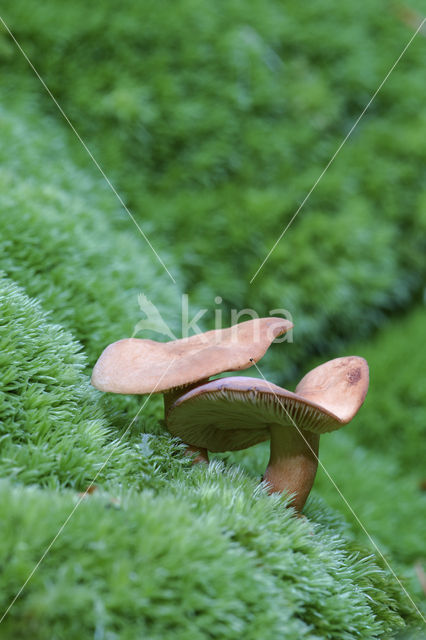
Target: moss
{"points": [[58, 240], [53, 427], [207, 561], [394, 415], [207, 140], [195, 551], [215, 122]]}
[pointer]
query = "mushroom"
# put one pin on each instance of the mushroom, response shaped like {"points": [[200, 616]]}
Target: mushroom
{"points": [[234, 413], [139, 366]]}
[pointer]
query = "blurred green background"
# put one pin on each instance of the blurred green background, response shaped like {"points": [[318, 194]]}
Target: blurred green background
{"points": [[212, 121]]}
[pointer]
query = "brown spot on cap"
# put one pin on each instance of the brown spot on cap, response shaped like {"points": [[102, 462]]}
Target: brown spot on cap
{"points": [[339, 385], [354, 376]]}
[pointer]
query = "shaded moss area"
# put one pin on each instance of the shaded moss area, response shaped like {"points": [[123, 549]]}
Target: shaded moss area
{"points": [[57, 238], [215, 121]]}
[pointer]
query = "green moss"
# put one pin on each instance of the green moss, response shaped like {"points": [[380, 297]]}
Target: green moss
{"points": [[211, 561], [386, 501], [385, 498], [394, 415], [199, 551], [213, 122], [53, 428], [58, 240], [216, 121]]}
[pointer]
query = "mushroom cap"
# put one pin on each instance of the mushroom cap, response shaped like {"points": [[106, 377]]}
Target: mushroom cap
{"points": [[235, 413], [140, 366], [339, 386]]}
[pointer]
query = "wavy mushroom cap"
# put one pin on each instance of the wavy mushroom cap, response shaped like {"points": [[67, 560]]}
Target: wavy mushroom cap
{"points": [[145, 366], [339, 386], [235, 413]]}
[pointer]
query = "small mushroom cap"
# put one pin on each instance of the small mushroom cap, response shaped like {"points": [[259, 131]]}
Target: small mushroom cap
{"points": [[339, 386], [145, 366], [235, 413]]}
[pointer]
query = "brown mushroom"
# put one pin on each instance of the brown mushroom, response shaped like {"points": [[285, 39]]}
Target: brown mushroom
{"points": [[237, 412], [137, 366]]}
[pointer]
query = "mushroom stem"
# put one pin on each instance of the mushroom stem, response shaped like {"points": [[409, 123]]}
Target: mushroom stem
{"points": [[293, 462], [202, 454]]}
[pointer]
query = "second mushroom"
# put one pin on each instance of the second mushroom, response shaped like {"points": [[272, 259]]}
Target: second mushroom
{"points": [[234, 413]]}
